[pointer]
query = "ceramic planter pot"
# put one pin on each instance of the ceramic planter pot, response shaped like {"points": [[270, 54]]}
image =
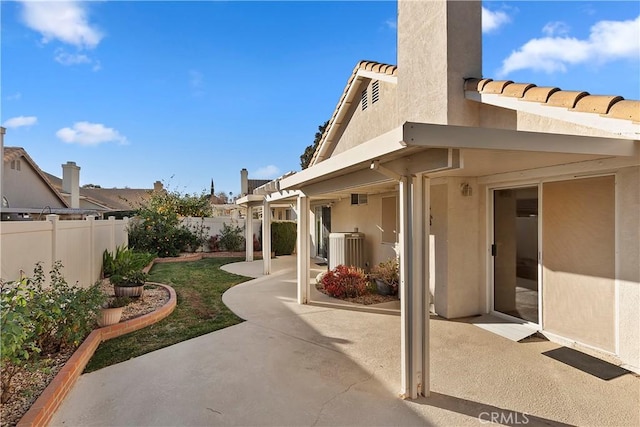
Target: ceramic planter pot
{"points": [[128, 291], [109, 316], [384, 288]]}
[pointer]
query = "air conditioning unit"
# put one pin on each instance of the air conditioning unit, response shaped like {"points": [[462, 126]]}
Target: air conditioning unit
{"points": [[346, 249]]}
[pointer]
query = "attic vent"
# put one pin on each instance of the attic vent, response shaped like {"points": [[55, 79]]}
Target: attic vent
{"points": [[364, 100], [375, 92]]}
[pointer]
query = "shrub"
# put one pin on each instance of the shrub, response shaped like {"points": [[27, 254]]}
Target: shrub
{"points": [[124, 260], [231, 238], [37, 320], [129, 279], [214, 243], [283, 237], [388, 272], [345, 282]]}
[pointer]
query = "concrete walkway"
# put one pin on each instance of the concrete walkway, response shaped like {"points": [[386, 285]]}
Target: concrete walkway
{"points": [[306, 365]]}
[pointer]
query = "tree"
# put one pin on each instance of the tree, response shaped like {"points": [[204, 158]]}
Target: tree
{"points": [[305, 158]]}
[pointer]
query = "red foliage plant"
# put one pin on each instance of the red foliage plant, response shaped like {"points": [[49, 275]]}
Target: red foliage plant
{"points": [[345, 282]]}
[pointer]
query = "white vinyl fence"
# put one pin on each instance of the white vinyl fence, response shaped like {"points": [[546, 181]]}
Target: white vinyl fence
{"points": [[78, 244], [216, 224]]}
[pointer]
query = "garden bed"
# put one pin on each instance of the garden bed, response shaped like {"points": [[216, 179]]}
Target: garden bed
{"points": [[28, 386], [366, 299]]}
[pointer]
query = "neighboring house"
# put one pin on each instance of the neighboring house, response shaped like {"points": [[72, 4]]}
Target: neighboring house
{"points": [[26, 191], [501, 197], [117, 202], [30, 193], [279, 212]]}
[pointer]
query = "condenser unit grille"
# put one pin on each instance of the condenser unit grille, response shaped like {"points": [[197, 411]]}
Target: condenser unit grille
{"points": [[346, 249]]}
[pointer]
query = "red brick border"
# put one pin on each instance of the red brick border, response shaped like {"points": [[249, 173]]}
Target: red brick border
{"points": [[46, 405]]}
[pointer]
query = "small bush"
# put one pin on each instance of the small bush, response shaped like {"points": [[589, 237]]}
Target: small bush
{"points": [[345, 282], [283, 237], [214, 243], [37, 320], [231, 238], [124, 260]]}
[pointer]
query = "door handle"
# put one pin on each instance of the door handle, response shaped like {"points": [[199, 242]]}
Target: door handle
{"points": [[494, 250]]}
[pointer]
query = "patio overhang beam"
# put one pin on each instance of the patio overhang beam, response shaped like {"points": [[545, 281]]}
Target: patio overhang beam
{"points": [[430, 135], [427, 161], [250, 200]]}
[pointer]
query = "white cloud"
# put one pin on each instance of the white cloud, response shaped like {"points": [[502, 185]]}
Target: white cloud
{"points": [[556, 28], [196, 81], [20, 121], [266, 172], [66, 58], [492, 20], [391, 24], [66, 21], [608, 41], [15, 97], [85, 133]]}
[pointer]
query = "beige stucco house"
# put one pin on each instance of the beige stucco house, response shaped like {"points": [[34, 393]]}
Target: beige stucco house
{"points": [[501, 197]]}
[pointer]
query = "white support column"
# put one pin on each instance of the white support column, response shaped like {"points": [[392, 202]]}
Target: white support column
{"points": [[248, 227], [303, 252], [423, 189], [413, 287], [53, 218], [266, 236]]}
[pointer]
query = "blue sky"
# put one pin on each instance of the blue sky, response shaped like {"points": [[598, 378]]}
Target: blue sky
{"points": [[186, 92]]}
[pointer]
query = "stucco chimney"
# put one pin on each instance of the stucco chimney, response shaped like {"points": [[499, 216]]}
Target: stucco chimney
{"points": [[71, 183], [439, 44], [244, 182], [157, 186]]}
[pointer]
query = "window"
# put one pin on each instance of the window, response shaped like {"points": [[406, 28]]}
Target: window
{"points": [[375, 92], [358, 199], [364, 100], [389, 220]]}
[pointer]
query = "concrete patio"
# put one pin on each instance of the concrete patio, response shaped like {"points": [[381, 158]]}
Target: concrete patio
{"points": [[291, 364]]}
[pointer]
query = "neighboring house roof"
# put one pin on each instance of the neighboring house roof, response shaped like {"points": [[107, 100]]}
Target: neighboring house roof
{"points": [[362, 70], [14, 153], [255, 183], [112, 199]]}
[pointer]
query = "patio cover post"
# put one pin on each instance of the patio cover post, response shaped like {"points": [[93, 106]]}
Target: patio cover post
{"points": [[266, 236], [248, 226], [303, 250], [413, 270]]}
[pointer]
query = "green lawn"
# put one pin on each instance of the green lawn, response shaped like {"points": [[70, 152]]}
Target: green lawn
{"points": [[199, 286]]}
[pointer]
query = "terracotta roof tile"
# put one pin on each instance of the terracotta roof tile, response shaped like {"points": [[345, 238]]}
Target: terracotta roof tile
{"points": [[566, 98], [625, 109], [482, 83], [596, 103], [517, 90], [540, 94], [496, 86]]}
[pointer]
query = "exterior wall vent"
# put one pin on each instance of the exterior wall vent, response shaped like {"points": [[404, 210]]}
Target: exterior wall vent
{"points": [[364, 100], [375, 92], [358, 199]]}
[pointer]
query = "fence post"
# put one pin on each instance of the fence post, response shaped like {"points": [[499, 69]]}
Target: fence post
{"points": [[112, 234], [125, 231], [92, 248], [53, 218]]}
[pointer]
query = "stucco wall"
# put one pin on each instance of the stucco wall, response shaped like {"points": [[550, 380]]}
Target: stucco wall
{"points": [[628, 238], [378, 118], [24, 188], [367, 218], [578, 226]]}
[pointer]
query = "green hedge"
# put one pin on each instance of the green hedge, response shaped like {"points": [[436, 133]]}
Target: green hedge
{"points": [[283, 237]]}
